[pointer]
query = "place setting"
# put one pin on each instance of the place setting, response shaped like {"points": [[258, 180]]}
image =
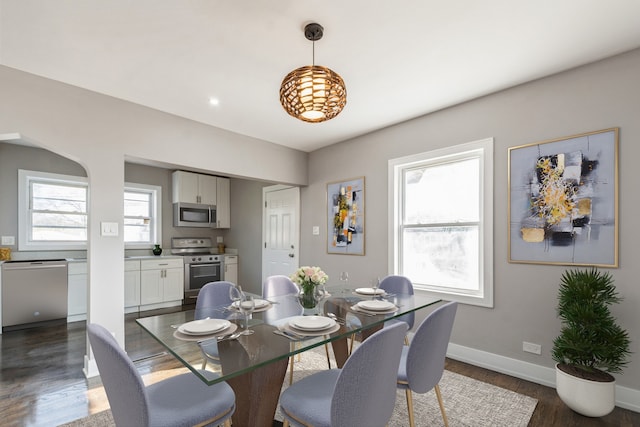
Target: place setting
{"points": [[203, 329], [300, 327], [374, 307], [259, 305]]}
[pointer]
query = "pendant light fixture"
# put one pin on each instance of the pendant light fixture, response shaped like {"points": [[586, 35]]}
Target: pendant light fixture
{"points": [[313, 93]]}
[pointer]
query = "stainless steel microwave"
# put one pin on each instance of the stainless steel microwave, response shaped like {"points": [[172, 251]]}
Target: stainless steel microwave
{"points": [[194, 215]]}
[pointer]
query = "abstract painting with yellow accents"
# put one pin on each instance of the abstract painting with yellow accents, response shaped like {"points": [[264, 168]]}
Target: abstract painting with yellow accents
{"points": [[563, 198]]}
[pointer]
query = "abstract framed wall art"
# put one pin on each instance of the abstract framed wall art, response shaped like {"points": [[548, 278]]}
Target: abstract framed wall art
{"points": [[563, 201], [345, 217]]}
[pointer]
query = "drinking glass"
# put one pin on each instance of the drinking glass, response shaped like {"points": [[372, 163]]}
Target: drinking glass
{"points": [[375, 283], [344, 280], [247, 305], [234, 295]]}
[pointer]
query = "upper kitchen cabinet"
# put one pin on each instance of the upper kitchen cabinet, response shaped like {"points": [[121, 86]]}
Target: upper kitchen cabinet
{"points": [[189, 187], [223, 208]]}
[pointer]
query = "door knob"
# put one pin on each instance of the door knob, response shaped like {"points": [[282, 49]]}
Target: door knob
{"points": [[291, 255]]}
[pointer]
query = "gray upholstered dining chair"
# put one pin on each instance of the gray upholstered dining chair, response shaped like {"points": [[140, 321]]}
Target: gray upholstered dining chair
{"points": [[395, 284], [422, 362], [362, 393], [182, 400], [212, 294], [279, 285]]}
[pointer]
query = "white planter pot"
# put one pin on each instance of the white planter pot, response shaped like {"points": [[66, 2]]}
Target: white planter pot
{"points": [[589, 398]]}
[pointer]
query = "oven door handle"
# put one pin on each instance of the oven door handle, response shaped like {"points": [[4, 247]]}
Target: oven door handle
{"points": [[219, 264]]}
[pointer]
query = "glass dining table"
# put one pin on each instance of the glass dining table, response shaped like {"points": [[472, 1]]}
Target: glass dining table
{"points": [[255, 365]]}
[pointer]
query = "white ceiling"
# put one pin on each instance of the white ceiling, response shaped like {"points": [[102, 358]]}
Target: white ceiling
{"points": [[399, 59]]}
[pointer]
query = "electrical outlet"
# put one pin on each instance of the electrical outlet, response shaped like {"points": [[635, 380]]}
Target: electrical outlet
{"points": [[531, 347], [8, 240], [219, 239]]}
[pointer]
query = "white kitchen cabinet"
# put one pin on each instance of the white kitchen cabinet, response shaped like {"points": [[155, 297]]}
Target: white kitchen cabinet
{"points": [[189, 187], [231, 268], [161, 280], [76, 291], [131, 284], [223, 203]]}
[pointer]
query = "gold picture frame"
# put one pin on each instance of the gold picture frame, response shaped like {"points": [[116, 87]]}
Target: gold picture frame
{"points": [[563, 200]]}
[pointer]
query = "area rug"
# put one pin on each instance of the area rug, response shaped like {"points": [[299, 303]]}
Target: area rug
{"points": [[468, 402]]}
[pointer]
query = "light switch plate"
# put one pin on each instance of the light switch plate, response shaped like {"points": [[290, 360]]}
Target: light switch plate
{"points": [[316, 230], [109, 229], [219, 239], [8, 240]]}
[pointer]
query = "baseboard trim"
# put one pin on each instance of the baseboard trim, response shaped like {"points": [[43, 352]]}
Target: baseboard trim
{"points": [[626, 397], [90, 369]]}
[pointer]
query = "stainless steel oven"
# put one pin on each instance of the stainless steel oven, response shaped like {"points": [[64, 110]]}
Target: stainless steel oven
{"points": [[200, 265]]}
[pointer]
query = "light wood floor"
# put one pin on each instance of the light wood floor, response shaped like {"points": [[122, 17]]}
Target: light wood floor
{"points": [[42, 383]]}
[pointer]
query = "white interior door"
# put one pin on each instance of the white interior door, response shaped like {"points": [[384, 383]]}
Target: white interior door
{"points": [[281, 231]]}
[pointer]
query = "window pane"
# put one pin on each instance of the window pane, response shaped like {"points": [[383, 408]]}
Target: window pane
{"points": [[58, 198], [444, 193], [137, 204], [58, 227], [442, 256], [137, 230]]}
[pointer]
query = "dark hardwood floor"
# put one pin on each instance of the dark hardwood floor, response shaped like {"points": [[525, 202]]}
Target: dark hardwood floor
{"points": [[42, 384]]}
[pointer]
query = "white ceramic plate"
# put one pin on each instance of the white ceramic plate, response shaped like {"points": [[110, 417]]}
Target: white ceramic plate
{"points": [[376, 305], [370, 291], [182, 335], [204, 326], [259, 303], [312, 323]]}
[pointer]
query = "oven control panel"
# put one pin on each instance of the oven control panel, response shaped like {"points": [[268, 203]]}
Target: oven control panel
{"points": [[191, 259]]}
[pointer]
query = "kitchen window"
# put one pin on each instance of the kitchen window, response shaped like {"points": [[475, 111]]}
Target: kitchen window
{"points": [[142, 218], [441, 221], [52, 210]]}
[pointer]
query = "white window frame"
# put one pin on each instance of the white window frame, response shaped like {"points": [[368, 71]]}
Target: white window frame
{"points": [[156, 214], [25, 177], [483, 149]]}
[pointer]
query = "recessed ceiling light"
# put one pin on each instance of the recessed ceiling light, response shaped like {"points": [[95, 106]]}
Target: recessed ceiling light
{"points": [[214, 101]]}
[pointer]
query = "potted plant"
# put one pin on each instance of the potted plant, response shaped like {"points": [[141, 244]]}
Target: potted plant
{"points": [[591, 345]]}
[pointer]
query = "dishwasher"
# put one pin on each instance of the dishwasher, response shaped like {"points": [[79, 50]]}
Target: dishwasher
{"points": [[33, 291]]}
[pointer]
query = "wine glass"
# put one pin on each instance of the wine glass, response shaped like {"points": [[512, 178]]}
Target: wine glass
{"points": [[344, 277], [247, 305], [375, 283], [344, 280], [234, 295]]}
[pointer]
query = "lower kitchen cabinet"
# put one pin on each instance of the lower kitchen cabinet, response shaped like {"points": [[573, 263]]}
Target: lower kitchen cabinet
{"points": [[77, 291], [131, 285], [161, 281], [231, 268]]}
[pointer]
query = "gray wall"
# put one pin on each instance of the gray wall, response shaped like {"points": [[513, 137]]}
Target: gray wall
{"points": [[598, 96]]}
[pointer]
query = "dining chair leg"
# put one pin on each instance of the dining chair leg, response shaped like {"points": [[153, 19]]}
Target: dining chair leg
{"points": [[406, 340], [227, 423], [291, 360], [444, 414], [410, 407], [285, 423], [326, 349]]}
